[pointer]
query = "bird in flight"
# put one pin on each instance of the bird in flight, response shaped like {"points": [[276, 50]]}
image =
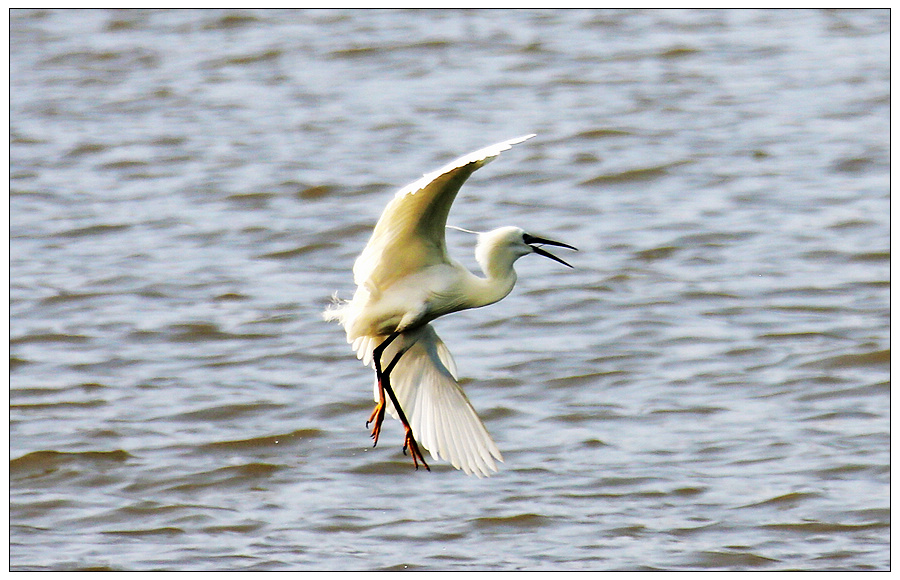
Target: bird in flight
{"points": [[405, 279]]}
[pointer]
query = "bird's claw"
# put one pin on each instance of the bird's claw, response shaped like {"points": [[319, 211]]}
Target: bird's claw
{"points": [[410, 443], [377, 417]]}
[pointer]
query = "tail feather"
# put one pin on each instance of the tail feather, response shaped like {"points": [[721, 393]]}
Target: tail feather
{"points": [[336, 311]]}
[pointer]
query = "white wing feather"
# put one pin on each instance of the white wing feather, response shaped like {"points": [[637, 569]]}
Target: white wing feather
{"points": [[443, 420], [409, 235]]}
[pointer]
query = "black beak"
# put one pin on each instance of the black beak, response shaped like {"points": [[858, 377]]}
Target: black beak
{"points": [[531, 240]]}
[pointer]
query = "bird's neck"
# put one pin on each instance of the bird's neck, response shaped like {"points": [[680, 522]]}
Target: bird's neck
{"points": [[498, 281]]}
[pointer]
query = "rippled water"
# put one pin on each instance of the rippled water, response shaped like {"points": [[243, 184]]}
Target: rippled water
{"points": [[708, 389]]}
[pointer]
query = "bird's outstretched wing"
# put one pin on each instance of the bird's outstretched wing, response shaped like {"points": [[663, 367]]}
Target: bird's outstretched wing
{"points": [[409, 236], [441, 416]]}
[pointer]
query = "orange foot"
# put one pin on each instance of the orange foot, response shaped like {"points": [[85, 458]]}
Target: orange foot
{"points": [[378, 417], [410, 443]]}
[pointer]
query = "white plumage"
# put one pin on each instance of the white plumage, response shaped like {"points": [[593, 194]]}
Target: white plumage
{"points": [[405, 279]]}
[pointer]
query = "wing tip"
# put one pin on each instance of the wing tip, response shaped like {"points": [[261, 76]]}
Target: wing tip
{"points": [[506, 145], [484, 156], [517, 140], [487, 154]]}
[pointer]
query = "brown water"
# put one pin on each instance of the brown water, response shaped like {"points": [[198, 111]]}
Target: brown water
{"points": [[708, 389]]}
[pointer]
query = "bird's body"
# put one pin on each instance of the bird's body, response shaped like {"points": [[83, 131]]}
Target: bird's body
{"points": [[405, 279]]}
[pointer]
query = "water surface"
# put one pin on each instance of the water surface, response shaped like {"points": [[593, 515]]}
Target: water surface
{"points": [[708, 389]]}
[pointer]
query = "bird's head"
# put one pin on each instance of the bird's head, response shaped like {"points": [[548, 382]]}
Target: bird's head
{"points": [[508, 244]]}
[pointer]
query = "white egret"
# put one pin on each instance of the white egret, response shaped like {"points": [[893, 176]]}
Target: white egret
{"points": [[405, 279]]}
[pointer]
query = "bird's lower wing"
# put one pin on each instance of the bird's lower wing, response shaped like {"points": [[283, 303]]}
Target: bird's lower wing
{"points": [[441, 416]]}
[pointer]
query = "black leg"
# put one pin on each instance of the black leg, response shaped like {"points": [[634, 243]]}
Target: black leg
{"points": [[379, 350], [410, 441], [378, 413], [384, 385]]}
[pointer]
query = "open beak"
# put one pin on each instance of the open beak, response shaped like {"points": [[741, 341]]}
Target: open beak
{"points": [[531, 240]]}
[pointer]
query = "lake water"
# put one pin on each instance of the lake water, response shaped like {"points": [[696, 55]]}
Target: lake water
{"points": [[708, 388]]}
